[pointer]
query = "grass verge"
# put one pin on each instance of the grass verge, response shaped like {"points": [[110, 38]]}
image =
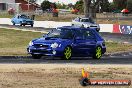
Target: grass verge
{"points": [[14, 42]]}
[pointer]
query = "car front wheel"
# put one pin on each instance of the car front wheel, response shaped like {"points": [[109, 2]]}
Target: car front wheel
{"points": [[67, 54], [98, 53], [36, 56], [97, 29]]}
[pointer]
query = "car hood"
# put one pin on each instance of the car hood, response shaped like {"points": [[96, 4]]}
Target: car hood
{"points": [[49, 41]]}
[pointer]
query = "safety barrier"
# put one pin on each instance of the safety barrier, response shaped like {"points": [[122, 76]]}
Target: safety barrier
{"points": [[112, 28], [124, 29]]}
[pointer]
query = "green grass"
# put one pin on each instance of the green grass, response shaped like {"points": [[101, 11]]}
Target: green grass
{"points": [[15, 42], [5, 15], [117, 47]]}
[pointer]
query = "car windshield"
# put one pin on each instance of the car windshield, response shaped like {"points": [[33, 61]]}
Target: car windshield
{"points": [[85, 20], [24, 16], [60, 33]]}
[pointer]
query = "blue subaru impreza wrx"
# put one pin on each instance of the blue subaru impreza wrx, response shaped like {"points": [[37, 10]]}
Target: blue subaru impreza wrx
{"points": [[67, 42]]}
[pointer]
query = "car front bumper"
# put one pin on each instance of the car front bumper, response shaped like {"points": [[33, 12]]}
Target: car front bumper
{"points": [[45, 52]]}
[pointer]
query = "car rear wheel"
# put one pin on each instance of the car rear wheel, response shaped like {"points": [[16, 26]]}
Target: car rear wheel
{"points": [[67, 54], [13, 23], [36, 56], [72, 25], [98, 53], [31, 25]]}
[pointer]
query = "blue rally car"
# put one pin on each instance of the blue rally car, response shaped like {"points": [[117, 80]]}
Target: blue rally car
{"points": [[22, 19], [67, 42]]}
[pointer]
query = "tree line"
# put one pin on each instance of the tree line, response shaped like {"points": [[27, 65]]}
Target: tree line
{"points": [[91, 7]]}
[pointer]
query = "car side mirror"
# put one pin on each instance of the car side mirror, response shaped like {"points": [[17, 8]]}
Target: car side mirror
{"points": [[18, 17], [44, 35]]}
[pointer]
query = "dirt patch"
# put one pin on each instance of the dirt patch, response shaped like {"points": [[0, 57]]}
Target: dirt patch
{"points": [[57, 75]]}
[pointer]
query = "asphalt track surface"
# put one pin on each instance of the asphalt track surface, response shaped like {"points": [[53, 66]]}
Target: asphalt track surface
{"points": [[75, 60], [118, 58]]}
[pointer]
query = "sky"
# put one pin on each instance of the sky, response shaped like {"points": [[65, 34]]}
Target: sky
{"points": [[63, 1]]}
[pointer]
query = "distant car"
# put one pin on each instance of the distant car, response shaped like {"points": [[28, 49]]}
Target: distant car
{"points": [[85, 22], [22, 19], [67, 42]]}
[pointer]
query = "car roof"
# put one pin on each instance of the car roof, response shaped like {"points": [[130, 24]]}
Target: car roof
{"points": [[75, 28]]}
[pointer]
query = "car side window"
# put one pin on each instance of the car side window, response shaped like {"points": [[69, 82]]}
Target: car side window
{"points": [[77, 19], [18, 16], [67, 34], [85, 20], [87, 34], [79, 34]]}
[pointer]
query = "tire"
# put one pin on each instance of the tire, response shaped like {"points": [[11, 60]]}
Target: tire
{"points": [[13, 23], [67, 54], [21, 23], [31, 25], [36, 56], [85, 82], [97, 29], [97, 53], [72, 25]]}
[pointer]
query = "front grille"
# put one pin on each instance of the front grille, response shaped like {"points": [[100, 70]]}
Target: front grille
{"points": [[29, 22], [40, 46], [39, 51]]}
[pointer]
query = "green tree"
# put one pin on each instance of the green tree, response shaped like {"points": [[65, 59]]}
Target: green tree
{"points": [[91, 6], [45, 5], [79, 6], [129, 5], [105, 6], [61, 5], [120, 4]]}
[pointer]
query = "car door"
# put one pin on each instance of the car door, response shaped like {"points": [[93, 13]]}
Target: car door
{"points": [[90, 41], [85, 43], [16, 19]]}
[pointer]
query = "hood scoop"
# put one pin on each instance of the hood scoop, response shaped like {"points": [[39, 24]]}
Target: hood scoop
{"points": [[49, 38]]}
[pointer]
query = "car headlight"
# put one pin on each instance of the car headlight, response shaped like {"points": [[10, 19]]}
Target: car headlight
{"points": [[55, 45], [30, 43]]}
